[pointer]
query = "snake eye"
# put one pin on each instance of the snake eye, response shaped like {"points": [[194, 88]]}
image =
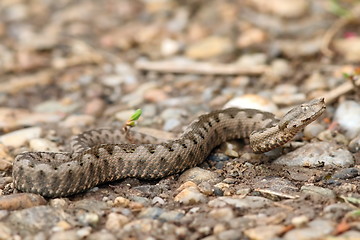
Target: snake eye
{"points": [[294, 126]]}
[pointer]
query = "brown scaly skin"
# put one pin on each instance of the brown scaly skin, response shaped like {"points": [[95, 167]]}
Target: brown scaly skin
{"points": [[98, 157]]}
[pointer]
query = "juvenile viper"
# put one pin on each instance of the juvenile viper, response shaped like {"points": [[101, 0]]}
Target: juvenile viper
{"points": [[98, 157]]}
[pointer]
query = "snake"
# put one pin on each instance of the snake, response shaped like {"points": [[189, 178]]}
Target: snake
{"points": [[100, 155]]}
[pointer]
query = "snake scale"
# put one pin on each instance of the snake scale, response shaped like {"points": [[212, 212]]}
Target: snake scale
{"points": [[98, 156]]}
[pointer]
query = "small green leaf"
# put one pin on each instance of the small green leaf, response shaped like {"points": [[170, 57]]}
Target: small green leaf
{"points": [[136, 115], [346, 75]]}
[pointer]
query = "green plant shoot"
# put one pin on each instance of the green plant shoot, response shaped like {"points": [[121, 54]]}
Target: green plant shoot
{"points": [[133, 118]]}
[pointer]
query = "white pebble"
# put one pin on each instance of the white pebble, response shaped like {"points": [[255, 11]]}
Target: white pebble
{"points": [[41, 144], [252, 101], [348, 116], [19, 137]]}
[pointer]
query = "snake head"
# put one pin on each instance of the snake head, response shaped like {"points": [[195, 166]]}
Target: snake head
{"points": [[300, 116]]}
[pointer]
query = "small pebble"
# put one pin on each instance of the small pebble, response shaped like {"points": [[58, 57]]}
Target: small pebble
{"points": [[348, 116], [206, 188], [264, 232], [222, 214], [175, 113], [121, 202], [95, 107], [354, 145], [21, 201], [151, 212], [19, 137], [316, 229], [333, 136], [312, 130], [299, 221], [224, 187], [6, 158], [115, 221], [112, 80], [231, 150], [198, 175], [78, 121], [83, 232], [316, 81], [169, 47], [65, 235], [155, 95], [283, 8], [190, 196], [90, 218], [158, 200], [101, 235], [318, 191], [252, 101], [230, 235], [174, 215], [209, 47], [249, 202], [41, 144], [171, 123], [346, 173], [349, 48], [58, 203], [336, 210], [53, 106]]}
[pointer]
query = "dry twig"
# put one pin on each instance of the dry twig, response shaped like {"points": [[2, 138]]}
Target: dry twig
{"points": [[200, 68], [344, 88]]}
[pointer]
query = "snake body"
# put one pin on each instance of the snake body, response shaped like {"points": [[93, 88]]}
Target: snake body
{"points": [[98, 157]]}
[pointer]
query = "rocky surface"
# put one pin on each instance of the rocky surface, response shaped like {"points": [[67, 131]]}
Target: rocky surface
{"points": [[69, 66]]}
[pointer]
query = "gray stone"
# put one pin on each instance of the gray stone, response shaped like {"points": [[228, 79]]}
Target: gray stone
{"points": [[158, 200], [176, 113], [315, 154], [354, 145], [5, 231], [346, 173], [66, 235], [190, 195], [90, 218], [91, 205], [101, 235], [318, 191], [232, 234], [336, 210], [198, 175], [248, 202], [312, 130], [171, 124], [350, 235], [222, 214], [53, 106], [17, 138], [152, 212], [316, 229], [174, 215], [264, 232], [36, 219]]}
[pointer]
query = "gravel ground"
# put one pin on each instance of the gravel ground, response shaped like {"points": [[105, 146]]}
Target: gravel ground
{"points": [[68, 66]]}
